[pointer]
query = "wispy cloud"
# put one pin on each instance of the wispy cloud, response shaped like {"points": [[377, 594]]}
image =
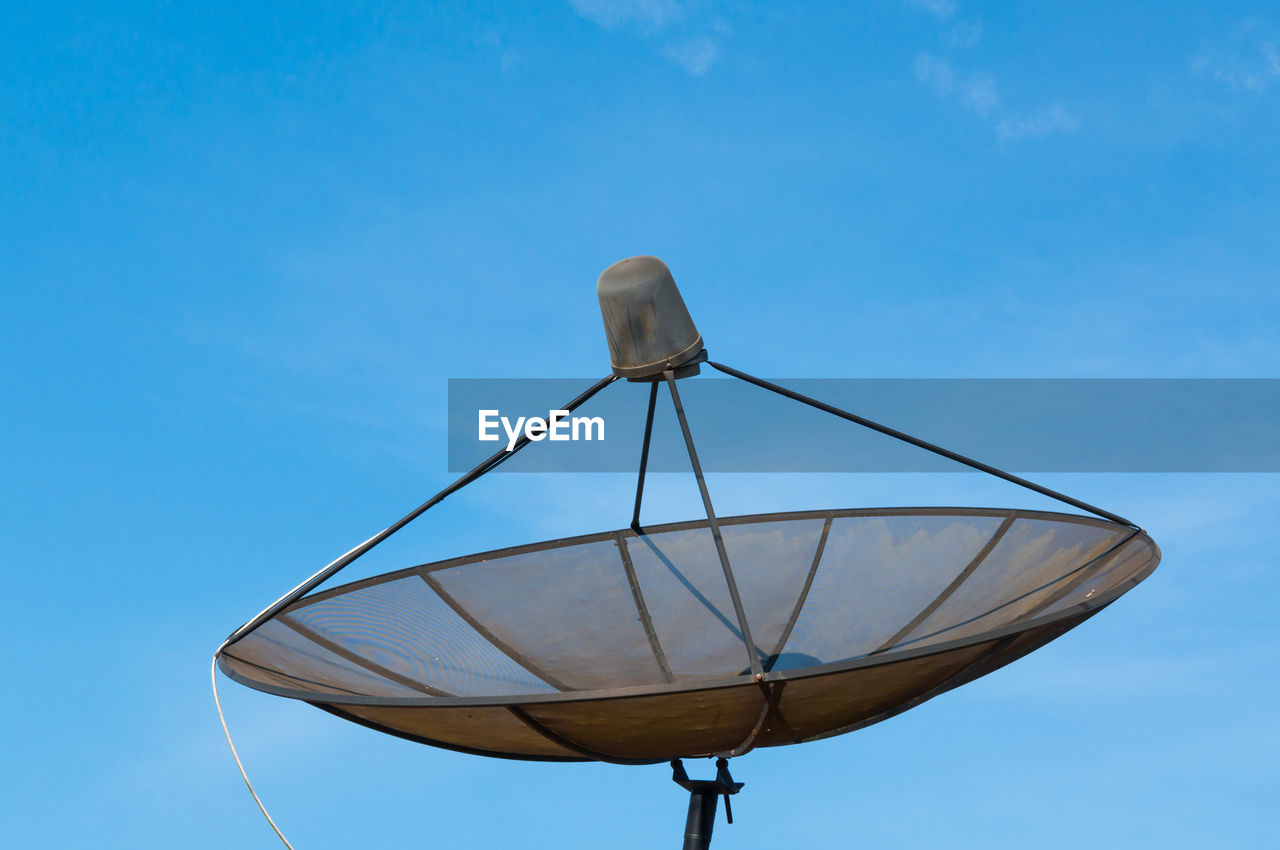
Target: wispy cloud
{"points": [[653, 14], [1244, 67], [965, 34], [695, 55], [960, 32], [978, 92], [1046, 122], [508, 57], [686, 40], [940, 9]]}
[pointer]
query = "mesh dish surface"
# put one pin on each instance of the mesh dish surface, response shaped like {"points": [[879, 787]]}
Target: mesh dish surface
{"points": [[625, 647]]}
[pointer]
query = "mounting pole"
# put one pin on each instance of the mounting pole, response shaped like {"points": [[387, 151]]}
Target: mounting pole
{"points": [[701, 819], [704, 794]]}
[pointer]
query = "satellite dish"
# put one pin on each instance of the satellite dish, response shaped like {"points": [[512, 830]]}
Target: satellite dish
{"points": [[702, 638]]}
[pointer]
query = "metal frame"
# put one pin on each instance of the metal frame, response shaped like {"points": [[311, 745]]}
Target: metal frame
{"points": [[487, 633], [644, 456], [560, 740], [760, 674], [757, 671], [919, 443], [900, 654], [655, 645], [582, 754], [686, 525], [351, 556], [785, 635], [946, 593], [359, 660]]}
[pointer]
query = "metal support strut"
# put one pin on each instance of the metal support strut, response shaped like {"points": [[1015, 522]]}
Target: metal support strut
{"points": [[351, 555], [753, 654], [644, 456], [919, 443], [704, 794]]}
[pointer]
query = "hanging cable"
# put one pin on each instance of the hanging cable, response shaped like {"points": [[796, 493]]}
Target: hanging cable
{"points": [[213, 677]]}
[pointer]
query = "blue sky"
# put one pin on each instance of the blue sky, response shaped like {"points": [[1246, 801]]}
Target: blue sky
{"points": [[243, 249]]}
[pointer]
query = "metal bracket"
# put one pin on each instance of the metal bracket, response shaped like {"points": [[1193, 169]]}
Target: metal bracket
{"points": [[704, 794]]}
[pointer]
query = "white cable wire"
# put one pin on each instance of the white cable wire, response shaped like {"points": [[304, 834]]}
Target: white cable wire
{"points": [[213, 676]]}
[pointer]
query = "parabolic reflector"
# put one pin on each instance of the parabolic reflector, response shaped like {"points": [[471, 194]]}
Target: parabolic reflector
{"points": [[624, 646]]}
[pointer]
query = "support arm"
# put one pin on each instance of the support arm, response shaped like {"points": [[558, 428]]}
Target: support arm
{"points": [[916, 441], [351, 555]]}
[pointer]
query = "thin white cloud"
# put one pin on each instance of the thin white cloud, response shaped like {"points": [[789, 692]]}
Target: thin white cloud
{"points": [[962, 33], [979, 93], [1038, 125], [975, 91], [684, 46], [695, 55], [935, 73], [965, 34], [940, 9], [1253, 68], [653, 14]]}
